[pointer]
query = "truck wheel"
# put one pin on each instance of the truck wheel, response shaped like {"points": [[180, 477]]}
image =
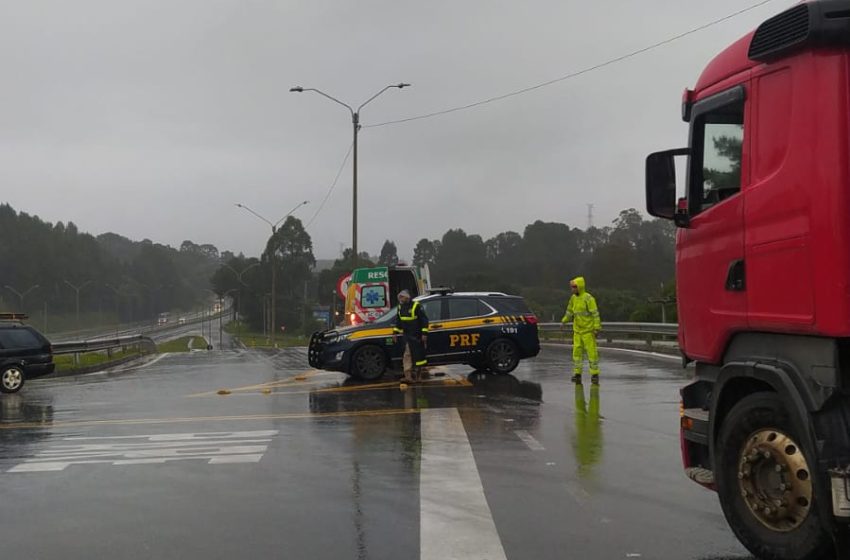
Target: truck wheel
{"points": [[369, 363], [502, 356], [765, 482], [11, 379]]}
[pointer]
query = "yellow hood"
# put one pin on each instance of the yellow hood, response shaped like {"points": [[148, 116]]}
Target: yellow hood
{"points": [[579, 282]]}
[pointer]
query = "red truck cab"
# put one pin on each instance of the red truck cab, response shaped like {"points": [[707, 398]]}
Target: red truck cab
{"points": [[763, 279]]}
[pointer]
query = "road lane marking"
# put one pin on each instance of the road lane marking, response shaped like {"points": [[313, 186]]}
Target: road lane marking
{"points": [[529, 440], [217, 448], [181, 420], [455, 520]]}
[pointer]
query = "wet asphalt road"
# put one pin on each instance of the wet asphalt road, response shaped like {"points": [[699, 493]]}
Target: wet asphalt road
{"points": [[294, 463]]}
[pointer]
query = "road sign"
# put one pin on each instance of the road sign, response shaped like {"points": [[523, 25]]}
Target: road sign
{"points": [[368, 275], [342, 285]]}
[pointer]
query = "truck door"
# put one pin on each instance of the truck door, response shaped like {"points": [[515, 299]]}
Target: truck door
{"points": [[710, 260]]}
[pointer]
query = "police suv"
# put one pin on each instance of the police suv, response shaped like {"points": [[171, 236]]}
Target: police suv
{"points": [[492, 331]]}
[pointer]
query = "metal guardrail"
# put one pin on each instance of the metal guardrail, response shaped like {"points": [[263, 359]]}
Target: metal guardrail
{"points": [[613, 328], [99, 345], [145, 345], [141, 329], [626, 332]]}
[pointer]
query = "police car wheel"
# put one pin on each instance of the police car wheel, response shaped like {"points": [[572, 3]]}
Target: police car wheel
{"points": [[369, 362], [502, 356]]}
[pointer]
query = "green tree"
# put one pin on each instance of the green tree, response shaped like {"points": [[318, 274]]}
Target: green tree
{"points": [[426, 252], [728, 148], [389, 254]]}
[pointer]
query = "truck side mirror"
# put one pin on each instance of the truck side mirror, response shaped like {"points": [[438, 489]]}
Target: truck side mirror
{"points": [[661, 184]]}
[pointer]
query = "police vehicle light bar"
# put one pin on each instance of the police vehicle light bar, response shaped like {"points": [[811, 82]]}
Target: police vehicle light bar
{"points": [[441, 290]]}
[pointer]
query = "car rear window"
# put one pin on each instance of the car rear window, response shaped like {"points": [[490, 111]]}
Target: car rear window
{"points": [[510, 305], [19, 338]]}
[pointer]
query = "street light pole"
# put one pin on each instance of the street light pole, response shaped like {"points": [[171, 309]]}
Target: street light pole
{"points": [[239, 292], [77, 291], [22, 295], [272, 255], [355, 122]]}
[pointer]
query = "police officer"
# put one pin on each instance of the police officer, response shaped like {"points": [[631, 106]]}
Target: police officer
{"points": [[584, 314], [412, 324]]}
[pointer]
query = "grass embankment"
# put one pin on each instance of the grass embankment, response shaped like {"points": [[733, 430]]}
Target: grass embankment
{"points": [[253, 339], [65, 362], [182, 344]]}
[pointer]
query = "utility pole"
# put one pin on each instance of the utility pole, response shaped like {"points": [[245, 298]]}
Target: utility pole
{"points": [[355, 123], [590, 216]]}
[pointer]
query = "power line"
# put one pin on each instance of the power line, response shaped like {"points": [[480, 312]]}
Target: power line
{"points": [[577, 73], [332, 187]]}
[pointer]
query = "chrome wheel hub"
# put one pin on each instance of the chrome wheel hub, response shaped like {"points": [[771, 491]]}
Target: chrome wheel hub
{"points": [[12, 378]]}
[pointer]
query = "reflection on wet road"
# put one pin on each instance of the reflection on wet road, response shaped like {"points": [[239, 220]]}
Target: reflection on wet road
{"points": [[252, 454]]}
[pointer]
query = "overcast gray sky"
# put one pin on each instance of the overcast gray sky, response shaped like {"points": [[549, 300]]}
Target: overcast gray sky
{"points": [[152, 118]]}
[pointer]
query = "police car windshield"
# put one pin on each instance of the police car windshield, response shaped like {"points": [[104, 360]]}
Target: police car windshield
{"points": [[386, 317]]}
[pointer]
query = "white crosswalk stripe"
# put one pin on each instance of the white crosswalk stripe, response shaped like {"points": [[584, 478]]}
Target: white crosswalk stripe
{"points": [[217, 448]]}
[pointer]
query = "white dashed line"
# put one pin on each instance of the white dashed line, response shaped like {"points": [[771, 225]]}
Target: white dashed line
{"points": [[529, 440], [455, 519]]}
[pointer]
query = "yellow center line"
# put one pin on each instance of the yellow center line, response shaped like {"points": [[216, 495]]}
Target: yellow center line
{"points": [[179, 420]]}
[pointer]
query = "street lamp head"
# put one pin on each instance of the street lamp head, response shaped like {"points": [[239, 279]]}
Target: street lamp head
{"points": [[297, 89], [402, 85]]}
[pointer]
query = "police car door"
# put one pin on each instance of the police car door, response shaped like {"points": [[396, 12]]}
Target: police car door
{"points": [[437, 339], [466, 327]]}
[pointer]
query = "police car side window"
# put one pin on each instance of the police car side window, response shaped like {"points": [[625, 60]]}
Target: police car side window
{"points": [[460, 308], [432, 309]]}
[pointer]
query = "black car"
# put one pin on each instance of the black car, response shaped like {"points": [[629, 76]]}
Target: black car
{"points": [[24, 354], [492, 331]]}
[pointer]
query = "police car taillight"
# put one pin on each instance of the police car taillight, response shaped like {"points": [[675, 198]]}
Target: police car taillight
{"points": [[530, 318]]}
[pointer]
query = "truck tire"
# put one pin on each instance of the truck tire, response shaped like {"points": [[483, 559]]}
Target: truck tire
{"points": [[767, 491], [368, 363], [502, 356], [11, 379]]}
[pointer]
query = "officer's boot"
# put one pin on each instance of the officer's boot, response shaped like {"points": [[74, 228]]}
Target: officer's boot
{"points": [[577, 378]]}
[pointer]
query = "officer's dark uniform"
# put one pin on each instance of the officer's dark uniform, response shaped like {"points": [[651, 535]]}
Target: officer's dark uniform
{"points": [[412, 324]]}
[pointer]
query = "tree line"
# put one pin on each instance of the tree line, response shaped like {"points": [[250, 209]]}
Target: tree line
{"points": [[629, 267], [46, 269]]}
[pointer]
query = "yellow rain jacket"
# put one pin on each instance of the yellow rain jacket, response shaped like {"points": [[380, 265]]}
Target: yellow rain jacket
{"points": [[582, 310]]}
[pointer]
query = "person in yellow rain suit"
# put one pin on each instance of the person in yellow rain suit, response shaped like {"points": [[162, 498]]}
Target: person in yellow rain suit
{"points": [[584, 314]]}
